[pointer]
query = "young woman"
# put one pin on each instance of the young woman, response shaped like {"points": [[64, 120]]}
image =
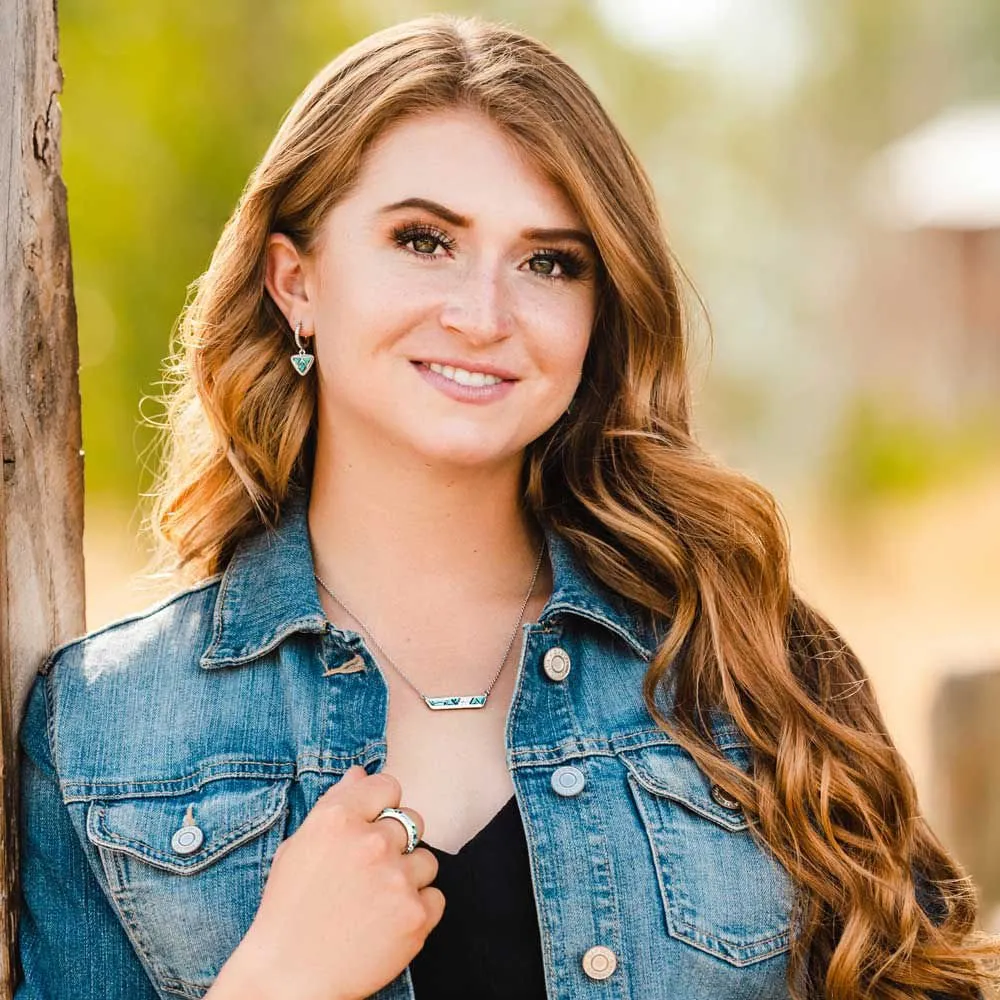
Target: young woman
{"points": [[485, 680]]}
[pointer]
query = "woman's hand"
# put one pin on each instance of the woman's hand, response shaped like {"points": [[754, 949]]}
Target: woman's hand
{"points": [[344, 910]]}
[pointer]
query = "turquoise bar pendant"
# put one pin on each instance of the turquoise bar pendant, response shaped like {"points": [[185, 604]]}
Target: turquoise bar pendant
{"points": [[456, 701]]}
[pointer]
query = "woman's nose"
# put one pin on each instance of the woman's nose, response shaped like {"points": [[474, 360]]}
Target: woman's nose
{"points": [[478, 307]]}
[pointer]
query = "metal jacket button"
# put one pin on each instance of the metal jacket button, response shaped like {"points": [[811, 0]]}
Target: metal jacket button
{"points": [[556, 663], [568, 780], [599, 962], [188, 837], [723, 799]]}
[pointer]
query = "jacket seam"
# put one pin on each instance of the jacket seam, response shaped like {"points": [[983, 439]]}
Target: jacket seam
{"points": [[127, 918], [51, 735], [218, 611], [191, 782]]}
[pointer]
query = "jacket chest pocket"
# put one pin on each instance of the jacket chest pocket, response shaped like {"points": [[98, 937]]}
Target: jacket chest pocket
{"points": [[721, 891], [187, 871]]}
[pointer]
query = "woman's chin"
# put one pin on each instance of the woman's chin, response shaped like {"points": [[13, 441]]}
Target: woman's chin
{"points": [[464, 454]]}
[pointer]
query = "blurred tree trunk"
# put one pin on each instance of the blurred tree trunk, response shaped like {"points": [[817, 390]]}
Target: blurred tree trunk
{"points": [[41, 488], [965, 744]]}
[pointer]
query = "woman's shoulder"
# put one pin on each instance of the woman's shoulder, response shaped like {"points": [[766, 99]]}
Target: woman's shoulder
{"points": [[101, 695], [181, 618]]}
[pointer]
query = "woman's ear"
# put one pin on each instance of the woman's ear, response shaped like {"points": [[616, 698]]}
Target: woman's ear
{"points": [[285, 279]]}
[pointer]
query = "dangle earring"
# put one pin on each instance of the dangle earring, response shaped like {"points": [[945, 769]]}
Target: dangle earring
{"points": [[302, 361]]}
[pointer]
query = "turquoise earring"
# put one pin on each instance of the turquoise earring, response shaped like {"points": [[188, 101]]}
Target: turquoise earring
{"points": [[302, 361]]}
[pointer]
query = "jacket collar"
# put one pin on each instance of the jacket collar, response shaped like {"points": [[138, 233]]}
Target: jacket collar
{"points": [[268, 592]]}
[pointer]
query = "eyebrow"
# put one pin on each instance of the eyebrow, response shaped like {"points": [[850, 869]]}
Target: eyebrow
{"points": [[462, 222]]}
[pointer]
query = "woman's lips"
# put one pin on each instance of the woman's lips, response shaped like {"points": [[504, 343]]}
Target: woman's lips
{"points": [[469, 366], [464, 393]]}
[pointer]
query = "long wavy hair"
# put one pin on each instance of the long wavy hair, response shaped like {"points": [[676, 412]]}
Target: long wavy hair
{"points": [[695, 545]]}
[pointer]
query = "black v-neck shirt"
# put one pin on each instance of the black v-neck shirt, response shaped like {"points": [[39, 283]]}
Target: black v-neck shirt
{"points": [[487, 943]]}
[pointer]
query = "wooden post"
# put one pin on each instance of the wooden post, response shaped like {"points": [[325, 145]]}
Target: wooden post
{"points": [[41, 488], [966, 779]]}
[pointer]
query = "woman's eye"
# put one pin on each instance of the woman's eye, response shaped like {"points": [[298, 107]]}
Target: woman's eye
{"points": [[549, 265], [424, 244], [569, 265], [421, 240], [558, 265]]}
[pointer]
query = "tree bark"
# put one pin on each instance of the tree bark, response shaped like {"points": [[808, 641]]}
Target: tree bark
{"points": [[41, 488]]}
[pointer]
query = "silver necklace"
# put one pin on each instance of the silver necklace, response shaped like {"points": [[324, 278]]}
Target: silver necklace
{"points": [[454, 700]]}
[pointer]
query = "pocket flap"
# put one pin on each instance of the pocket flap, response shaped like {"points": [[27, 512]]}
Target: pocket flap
{"points": [[227, 812], [671, 772]]}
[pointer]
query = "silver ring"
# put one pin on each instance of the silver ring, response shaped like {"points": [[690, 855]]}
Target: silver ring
{"points": [[412, 833]]}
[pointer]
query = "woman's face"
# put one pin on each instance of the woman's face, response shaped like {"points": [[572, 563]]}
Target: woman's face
{"points": [[452, 295]]}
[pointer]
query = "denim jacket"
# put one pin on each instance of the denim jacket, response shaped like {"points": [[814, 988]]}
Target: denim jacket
{"points": [[166, 756]]}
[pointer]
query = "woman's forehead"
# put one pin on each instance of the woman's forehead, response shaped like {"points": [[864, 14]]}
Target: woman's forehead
{"points": [[462, 159]]}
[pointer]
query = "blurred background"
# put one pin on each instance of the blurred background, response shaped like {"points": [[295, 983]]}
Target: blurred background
{"points": [[829, 176]]}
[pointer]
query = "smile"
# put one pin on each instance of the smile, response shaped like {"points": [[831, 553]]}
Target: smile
{"points": [[463, 385], [463, 377]]}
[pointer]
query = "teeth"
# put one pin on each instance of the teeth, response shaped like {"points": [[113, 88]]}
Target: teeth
{"points": [[463, 377]]}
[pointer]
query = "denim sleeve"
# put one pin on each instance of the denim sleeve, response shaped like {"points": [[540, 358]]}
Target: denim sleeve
{"points": [[70, 943]]}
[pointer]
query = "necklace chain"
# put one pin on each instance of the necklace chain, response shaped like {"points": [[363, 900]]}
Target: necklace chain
{"points": [[450, 701]]}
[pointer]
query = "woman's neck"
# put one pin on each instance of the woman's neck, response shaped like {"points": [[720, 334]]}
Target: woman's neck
{"points": [[384, 529]]}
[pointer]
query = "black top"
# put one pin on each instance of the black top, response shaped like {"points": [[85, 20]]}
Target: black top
{"points": [[486, 944]]}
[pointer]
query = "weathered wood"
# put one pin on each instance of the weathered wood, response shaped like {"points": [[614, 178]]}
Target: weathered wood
{"points": [[41, 489]]}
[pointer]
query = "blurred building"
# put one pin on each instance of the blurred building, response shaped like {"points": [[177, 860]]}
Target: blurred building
{"points": [[924, 332], [926, 318]]}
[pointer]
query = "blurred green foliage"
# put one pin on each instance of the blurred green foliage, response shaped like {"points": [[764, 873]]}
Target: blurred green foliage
{"points": [[167, 107], [886, 454]]}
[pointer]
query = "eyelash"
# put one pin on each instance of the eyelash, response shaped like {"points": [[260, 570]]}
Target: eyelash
{"points": [[572, 264]]}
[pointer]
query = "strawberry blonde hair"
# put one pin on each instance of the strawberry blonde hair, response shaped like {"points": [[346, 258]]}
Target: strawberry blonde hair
{"points": [[696, 545]]}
